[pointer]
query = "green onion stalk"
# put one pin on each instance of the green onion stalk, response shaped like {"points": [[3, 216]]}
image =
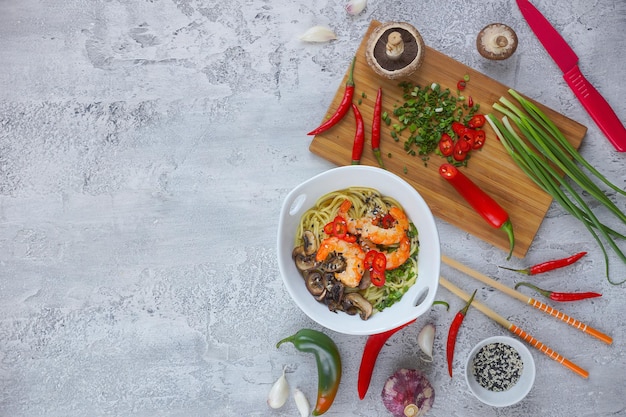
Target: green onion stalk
{"points": [[545, 150]]}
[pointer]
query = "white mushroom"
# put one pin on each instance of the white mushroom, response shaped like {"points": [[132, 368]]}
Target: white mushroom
{"points": [[496, 41]]}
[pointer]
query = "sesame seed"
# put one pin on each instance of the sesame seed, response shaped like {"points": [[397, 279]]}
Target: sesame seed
{"points": [[497, 367]]}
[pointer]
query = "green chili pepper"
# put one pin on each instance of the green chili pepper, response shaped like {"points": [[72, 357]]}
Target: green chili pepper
{"points": [[328, 364]]}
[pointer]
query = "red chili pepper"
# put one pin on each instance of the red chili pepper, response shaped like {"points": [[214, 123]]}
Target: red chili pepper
{"points": [[339, 229], [548, 265], [376, 263], [468, 136], [369, 259], [484, 205], [454, 330], [359, 136], [446, 145], [560, 296], [479, 139], [350, 238], [343, 106], [371, 350], [461, 148], [461, 85], [470, 101], [377, 277], [458, 128], [477, 121], [387, 221], [380, 262], [376, 127]]}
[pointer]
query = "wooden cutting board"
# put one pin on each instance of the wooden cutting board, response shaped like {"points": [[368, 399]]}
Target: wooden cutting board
{"points": [[492, 168]]}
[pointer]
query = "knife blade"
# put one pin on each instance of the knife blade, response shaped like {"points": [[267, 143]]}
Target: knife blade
{"points": [[567, 60]]}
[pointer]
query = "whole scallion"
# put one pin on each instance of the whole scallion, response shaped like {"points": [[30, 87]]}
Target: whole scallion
{"points": [[545, 155]]}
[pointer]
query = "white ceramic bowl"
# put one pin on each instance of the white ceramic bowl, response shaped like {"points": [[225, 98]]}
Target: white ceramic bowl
{"points": [[417, 300], [514, 394]]}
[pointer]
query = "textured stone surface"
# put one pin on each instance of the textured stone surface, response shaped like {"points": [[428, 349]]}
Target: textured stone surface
{"points": [[145, 149]]}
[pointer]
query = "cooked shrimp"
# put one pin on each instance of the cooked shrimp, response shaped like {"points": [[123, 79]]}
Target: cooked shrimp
{"points": [[353, 255], [350, 221], [381, 236], [399, 256]]}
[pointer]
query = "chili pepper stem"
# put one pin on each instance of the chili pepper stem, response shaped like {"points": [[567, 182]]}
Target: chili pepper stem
{"points": [[508, 228], [541, 291], [525, 271], [379, 158], [469, 302]]}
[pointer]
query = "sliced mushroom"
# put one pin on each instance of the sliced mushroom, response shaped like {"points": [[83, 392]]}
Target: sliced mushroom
{"points": [[315, 283], [334, 263], [366, 281], [310, 243], [335, 291], [355, 300], [303, 261], [395, 50], [496, 41]]}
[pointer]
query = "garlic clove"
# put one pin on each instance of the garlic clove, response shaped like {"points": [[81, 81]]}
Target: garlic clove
{"points": [[318, 34], [279, 393], [301, 402], [425, 340], [354, 7]]}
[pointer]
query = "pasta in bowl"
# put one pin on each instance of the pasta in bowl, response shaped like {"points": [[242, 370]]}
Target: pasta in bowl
{"points": [[358, 250]]}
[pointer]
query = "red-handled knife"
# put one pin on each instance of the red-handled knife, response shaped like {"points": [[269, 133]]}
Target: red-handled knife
{"points": [[566, 59]]}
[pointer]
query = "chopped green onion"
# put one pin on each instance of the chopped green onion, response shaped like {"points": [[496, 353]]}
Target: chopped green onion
{"points": [[425, 115]]}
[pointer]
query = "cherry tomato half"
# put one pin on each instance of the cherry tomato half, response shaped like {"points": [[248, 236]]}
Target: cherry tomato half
{"points": [[479, 139], [446, 145], [477, 121], [461, 85]]}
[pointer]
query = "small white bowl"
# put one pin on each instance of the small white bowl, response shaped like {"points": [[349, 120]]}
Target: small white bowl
{"points": [[416, 301], [514, 394]]}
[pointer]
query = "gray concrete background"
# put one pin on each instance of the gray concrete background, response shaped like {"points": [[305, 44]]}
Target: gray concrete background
{"points": [[145, 149]]}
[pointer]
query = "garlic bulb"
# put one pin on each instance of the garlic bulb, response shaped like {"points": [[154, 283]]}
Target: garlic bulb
{"points": [[279, 393], [318, 34], [301, 402], [355, 7]]}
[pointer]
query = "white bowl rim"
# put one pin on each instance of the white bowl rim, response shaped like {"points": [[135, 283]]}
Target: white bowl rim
{"points": [[421, 294], [516, 393]]}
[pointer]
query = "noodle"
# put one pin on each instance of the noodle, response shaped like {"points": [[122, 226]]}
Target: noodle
{"points": [[366, 202]]}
